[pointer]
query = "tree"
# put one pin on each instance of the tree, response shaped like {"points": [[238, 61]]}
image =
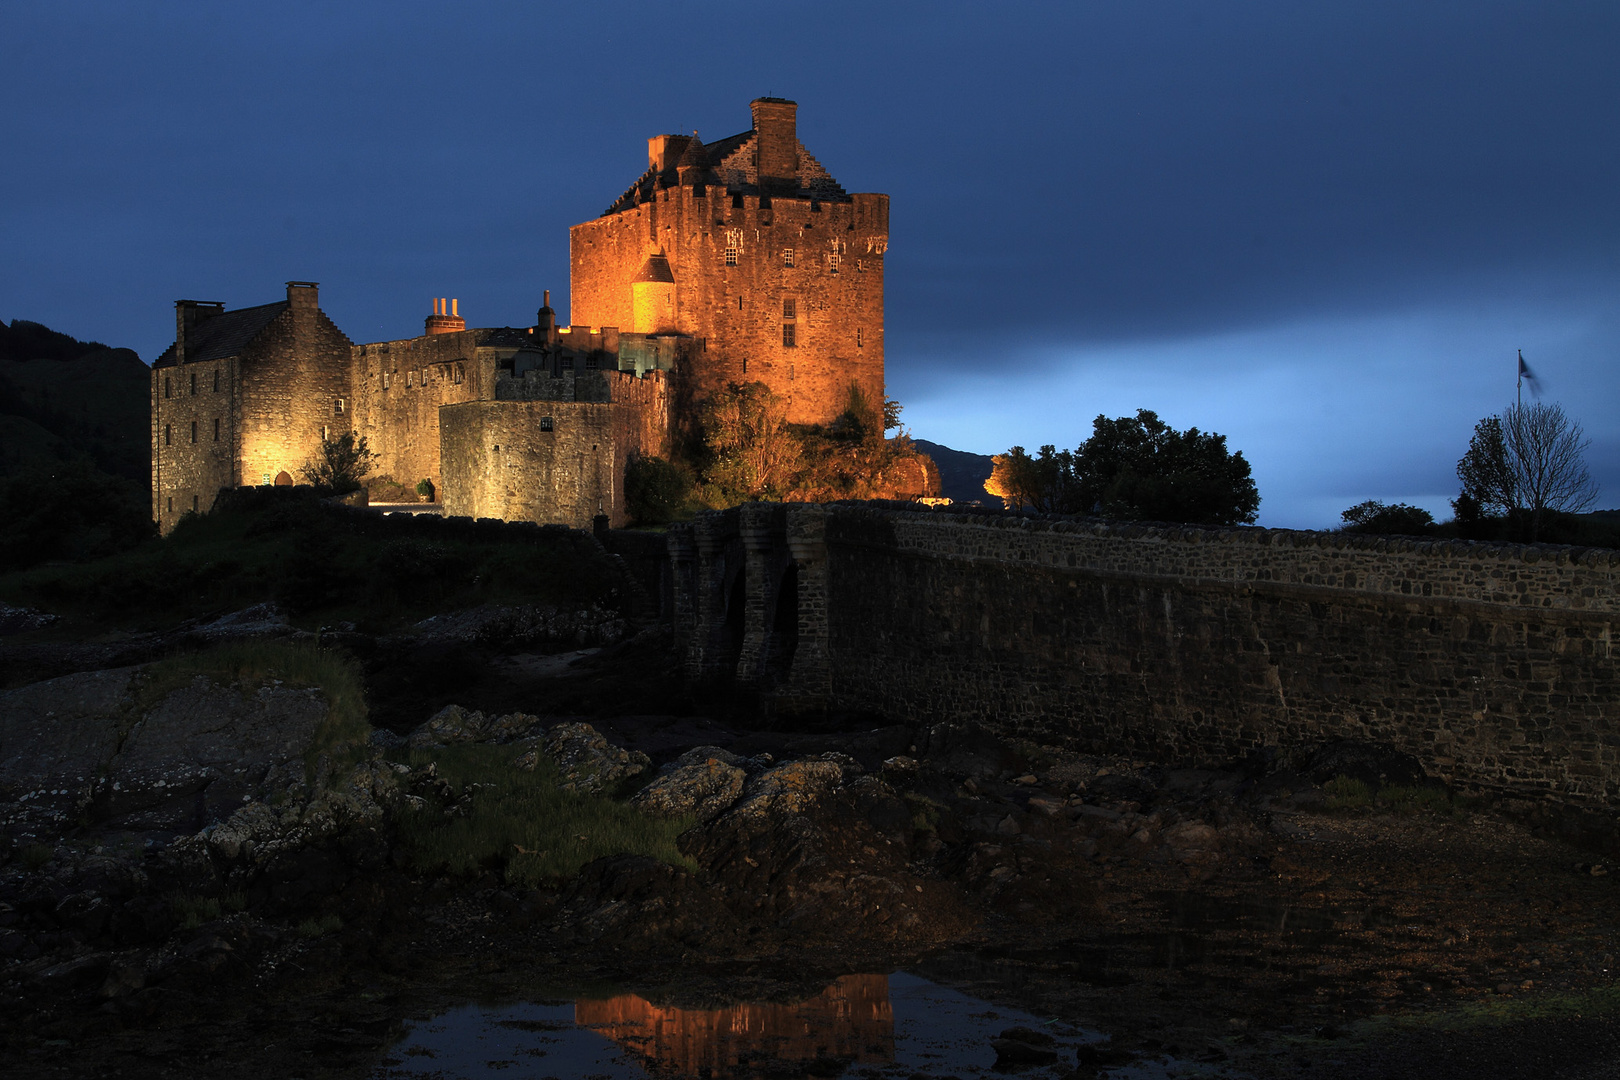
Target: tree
{"points": [[1141, 469], [1528, 463], [1488, 489], [1044, 484], [1132, 468], [1547, 451], [1373, 516], [656, 491], [752, 452], [340, 464]]}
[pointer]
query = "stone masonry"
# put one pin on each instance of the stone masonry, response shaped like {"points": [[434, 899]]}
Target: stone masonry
{"points": [[1492, 664]]}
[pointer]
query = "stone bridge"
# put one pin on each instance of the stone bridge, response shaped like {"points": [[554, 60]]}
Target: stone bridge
{"points": [[1492, 663]]}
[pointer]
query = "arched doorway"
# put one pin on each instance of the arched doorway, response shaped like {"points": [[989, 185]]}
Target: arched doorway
{"points": [[283, 480]]}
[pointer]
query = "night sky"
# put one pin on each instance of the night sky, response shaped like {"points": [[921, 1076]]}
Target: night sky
{"points": [[1321, 229]]}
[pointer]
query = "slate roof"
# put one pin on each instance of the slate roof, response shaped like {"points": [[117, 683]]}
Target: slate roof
{"points": [[724, 166], [224, 335]]}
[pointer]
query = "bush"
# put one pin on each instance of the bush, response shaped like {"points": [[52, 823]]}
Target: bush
{"points": [[657, 491], [522, 824], [70, 511], [424, 488], [1400, 519]]}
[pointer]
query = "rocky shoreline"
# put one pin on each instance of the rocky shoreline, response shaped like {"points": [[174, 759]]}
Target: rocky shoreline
{"points": [[191, 885]]}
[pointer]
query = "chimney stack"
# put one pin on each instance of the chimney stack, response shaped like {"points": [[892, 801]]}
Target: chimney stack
{"points": [[444, 319], [776, 144]]}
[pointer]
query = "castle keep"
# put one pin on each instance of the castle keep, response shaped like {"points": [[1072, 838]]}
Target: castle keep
{"points": [[739, 261]]}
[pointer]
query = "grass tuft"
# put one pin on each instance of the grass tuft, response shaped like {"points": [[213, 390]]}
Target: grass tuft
{"points": [[1346, 793], [316, 928], [521, 824]]}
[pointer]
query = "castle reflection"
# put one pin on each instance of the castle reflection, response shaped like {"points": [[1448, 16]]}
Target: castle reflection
{"points": [[851, 1020]]}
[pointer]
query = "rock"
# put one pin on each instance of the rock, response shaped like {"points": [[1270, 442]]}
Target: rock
{"points": [[1024, 1048], [588, 762], [528, 624], [453, 724], [204, 750], [258, 621], [56, 737], [788, 789], [20, 620], [700, 754], [704, 790]]}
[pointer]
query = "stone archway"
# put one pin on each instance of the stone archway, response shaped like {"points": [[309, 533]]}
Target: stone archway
{"points": [[283, 479]]}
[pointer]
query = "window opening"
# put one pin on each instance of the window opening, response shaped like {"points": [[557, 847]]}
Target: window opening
{"points": [[566, 363], [832, 262], [266, 479], [194, 431], [787, 256], [194, 504], [731, 255], [739, 305], [385, 380], [216, 380], [857, 337], [168, 392], [171, 504], [790, 308], [789, 338], [590, 362], [193, 384], [216, 429], [168, 434], [545, 423], [337, 406]]}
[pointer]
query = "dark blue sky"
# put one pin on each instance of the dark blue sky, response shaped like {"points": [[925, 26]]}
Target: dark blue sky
{"points": [[1321, 229]]}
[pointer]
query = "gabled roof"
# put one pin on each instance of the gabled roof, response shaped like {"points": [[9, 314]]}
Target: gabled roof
{"points": [[224, 335], [728, 165]]}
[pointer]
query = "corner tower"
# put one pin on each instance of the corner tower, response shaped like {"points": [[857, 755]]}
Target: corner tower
{"points": [[750, 245]]}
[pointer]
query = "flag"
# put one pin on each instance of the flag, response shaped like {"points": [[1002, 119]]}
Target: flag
{"points": [[1526, 376]]}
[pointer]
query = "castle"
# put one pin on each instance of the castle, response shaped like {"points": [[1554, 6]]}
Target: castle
{"points": [[738, 261]]}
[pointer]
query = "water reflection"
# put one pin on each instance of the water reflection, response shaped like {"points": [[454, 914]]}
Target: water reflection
{"points": [[860, 1025], [851, 1020]]}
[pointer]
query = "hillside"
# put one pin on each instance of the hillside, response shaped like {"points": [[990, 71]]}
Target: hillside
{"points": [[961, 474], [61, 397]]}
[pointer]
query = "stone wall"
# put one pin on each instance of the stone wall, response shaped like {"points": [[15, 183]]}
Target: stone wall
{"points": [[835, 284], [398, 387], [1491, 663], [195, 415]]}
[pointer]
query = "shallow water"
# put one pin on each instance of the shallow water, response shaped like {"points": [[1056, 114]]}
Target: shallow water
{"points": [[875, 1025]]}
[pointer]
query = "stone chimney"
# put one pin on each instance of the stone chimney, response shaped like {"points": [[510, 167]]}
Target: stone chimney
{"points": [[445, 318], [546, 321], [776, 144], [187, 314], [304, 295]]}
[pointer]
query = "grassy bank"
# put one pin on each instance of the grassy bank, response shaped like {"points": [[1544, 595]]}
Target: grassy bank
{"points": [[520, 824], [322, 563]]}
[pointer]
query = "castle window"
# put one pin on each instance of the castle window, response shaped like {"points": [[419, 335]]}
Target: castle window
{"points": [[545, 423], [168, 392], [168, 434], [337, 406], [385, 380], [216, 380], [736, 201], [171, 504], [739, 308], [789, 338], [194, 431], [194, 504], [193, 384], [461, 373], [860, 266], [787, 256], [745, 365], [858, 337], [267, 479], [590, 362], [326, 433], [216, 429], [566, 363], [731, 255], [832, 262]]}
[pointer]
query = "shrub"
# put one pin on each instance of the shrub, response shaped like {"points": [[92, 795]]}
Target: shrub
{"points": [[522, 824], [1346, 793], [424, 488], [657, 491]]}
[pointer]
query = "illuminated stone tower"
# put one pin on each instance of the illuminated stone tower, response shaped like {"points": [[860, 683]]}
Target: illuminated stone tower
{"points": [[750, 246]]}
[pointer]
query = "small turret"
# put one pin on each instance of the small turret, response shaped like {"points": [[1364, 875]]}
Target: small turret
{"points": [[694, 164], [445, 319]]}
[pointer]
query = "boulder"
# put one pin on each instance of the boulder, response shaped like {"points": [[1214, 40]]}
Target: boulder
{"points": [[590, 764], [704, 790], [55, 738], [453, 724], [788, 789]]}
